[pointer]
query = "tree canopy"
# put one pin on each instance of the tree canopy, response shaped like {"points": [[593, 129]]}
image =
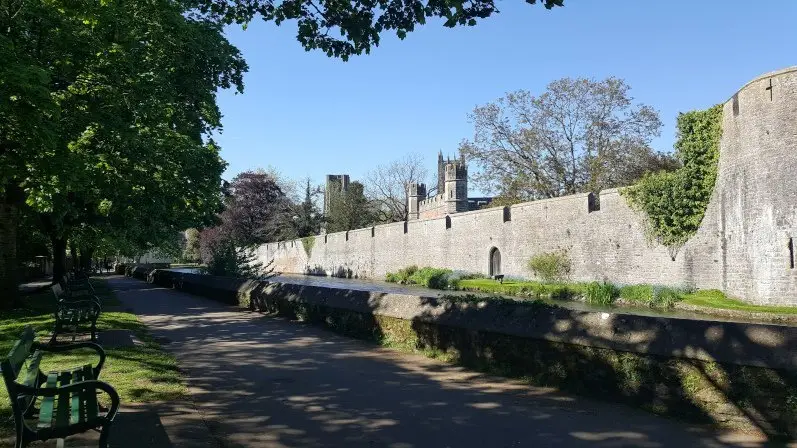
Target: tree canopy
{"points": [[579, 135], [358, 23], [107, 108], [106, 116], [348, 209], [386, 187]]}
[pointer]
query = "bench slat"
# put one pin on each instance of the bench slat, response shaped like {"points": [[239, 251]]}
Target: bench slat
{"points": [[92, 410], [62, 412], [46, 411], [76, 400]]}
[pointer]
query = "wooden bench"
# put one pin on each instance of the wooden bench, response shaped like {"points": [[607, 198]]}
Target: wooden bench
{"points": [[55, 405], [73, 312]]}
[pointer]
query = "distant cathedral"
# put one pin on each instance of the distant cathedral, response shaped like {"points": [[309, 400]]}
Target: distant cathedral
{"points": [[452, 192], [451, 195]]}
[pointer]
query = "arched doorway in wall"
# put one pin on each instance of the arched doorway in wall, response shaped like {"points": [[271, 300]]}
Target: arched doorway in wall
{"points": [[495, 261]]}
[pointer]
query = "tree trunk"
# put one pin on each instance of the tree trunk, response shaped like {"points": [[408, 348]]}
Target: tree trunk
{"points": [[73, 254], [59, 258], [8, 255], [86, 258]]}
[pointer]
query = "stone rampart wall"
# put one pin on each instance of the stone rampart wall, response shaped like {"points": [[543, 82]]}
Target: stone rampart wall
{"points": [[746, 245], [609, 243]]}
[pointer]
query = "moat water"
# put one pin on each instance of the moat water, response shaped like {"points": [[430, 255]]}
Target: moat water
{"points": [[393, 288]]}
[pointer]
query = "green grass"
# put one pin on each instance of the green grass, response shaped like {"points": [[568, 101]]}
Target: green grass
{"points": [[140, 374], [602, 294], [712, 298], [636, 294], [629, 295], [537, 290]]}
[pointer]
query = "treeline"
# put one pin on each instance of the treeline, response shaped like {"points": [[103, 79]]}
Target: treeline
{"points": [[107, 110]]}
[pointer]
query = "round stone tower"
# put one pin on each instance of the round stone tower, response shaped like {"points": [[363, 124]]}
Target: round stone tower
{"points": [[456, 187], [754, 205]]}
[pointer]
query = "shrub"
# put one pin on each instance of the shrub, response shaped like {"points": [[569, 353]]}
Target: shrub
{"points": [[664, 297], [600, 293], [430, 277], [226, 260], [308, 242], [434, 278], [642, 294], [455, 277], [402, 276], [550, 266]]}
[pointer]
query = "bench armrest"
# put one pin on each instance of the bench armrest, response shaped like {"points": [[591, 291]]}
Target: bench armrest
{"points": [[80, 287], [67, 303], [70, 295], [69, 347]]}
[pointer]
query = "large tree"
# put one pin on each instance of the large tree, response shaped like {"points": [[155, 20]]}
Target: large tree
{"points": [[579, 135], [307, 218], [386, 186], [348, 209], [121, 98], [358, 23], [257, 210]]}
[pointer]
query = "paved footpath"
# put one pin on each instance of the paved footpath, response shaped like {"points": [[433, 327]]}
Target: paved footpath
{"points": [[265, 382]]}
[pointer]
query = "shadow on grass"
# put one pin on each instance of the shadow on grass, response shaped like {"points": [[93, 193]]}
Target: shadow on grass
{"points": [[142, 373]]}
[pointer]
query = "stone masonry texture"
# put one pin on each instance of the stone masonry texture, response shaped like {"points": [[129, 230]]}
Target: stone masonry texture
{"points": [[745, 245]]}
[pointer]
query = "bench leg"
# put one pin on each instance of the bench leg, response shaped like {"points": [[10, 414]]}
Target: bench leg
{"points": [[104, 435], [19, 442], [94, 330], [56, 329]]}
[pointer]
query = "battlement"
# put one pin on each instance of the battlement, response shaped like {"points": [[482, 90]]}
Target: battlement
{"points": [[416, 190], [456, 171], [432, 201]]}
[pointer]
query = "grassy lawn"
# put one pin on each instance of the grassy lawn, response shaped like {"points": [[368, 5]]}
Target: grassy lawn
{"points": [[537, 290], [636, 295], [713, 298], [143, 373]]}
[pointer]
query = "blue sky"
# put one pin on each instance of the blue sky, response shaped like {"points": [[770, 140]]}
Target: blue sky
{"points": [[308, 115]]}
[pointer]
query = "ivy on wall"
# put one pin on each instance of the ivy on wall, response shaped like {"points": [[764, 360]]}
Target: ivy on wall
{"points": [[308, 242], [674, 202]]}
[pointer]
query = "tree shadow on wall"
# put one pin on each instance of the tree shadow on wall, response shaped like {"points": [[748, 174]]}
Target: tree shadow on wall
{"points": [[691, 389], [695, 390]]}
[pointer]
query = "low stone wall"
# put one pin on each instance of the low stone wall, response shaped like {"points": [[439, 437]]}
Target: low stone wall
{"points": [[727, 373]]}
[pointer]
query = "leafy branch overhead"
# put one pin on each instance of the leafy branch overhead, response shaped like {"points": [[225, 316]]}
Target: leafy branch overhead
{"points": [[359, 23]]}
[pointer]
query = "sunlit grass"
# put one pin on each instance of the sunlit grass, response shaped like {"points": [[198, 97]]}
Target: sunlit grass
{"points": [[144, 373], [561, 291], [712, 298]]}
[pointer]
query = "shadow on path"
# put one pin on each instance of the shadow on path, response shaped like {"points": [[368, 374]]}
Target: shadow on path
{"points": [[267, 382]]}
